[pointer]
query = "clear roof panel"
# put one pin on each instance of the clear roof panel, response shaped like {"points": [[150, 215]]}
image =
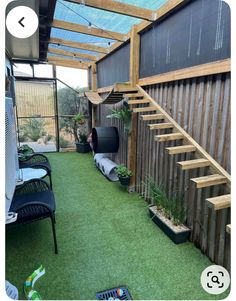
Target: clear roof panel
{"points": [[80, 14]]}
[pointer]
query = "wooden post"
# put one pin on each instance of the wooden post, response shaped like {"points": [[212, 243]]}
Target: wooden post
{"points": [[134, 78], [94, 88], [134, 56]]}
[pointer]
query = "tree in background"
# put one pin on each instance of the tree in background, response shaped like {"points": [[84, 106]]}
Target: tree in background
{"points": [[70, 104]]}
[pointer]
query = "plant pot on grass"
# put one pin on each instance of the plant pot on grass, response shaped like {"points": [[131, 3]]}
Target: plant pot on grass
{"points": [[124, 175], [168, 213], [82, 146]]}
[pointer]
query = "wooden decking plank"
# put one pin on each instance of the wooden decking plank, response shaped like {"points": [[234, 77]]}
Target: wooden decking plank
{"points": [[145, 109], [159, 126], [210, 180], [180, 149], [148, 117], [191, 164], [169, 137], [220, 202], [132, 95], [138, 101]]}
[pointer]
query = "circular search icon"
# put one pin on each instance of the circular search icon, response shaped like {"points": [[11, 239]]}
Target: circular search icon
{"points": [[22, 22], [215, 279]]}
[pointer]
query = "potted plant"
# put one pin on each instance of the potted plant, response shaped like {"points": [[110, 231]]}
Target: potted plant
{"points": [[79, 119], [82, 145], [168, 213], [124, 113], [24, 151], [124, 174]]}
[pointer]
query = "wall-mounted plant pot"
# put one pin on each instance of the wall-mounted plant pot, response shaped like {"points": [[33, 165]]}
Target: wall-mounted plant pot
{"points": [[125, 181], [178, 234], [82, 147]]}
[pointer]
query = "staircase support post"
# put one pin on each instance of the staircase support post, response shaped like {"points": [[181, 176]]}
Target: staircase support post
{"points": [[94, 88], [134, 78]]}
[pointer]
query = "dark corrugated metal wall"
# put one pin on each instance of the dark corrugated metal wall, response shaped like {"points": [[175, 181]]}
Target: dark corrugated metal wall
{"points": [[198, 33], [114, 68]]}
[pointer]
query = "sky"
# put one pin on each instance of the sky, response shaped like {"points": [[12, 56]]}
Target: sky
{"points": [[76, 78], [73, 77]]}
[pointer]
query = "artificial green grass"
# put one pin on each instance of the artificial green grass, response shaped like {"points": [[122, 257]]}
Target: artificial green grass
{"points": [[105, 239]]}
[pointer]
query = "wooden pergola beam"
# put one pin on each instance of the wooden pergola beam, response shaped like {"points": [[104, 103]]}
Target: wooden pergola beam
{"points": [[58, 61], [89, 31], [120, 8], [78, 45], [72, 54]]}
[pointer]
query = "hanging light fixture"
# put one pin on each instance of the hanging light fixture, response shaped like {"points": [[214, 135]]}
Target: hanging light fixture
{"points": [[82, 3], [89, 25]]}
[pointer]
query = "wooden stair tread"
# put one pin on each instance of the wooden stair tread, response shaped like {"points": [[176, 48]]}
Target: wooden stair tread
{"points": [[145, 109], [210, 180], [181, 149], [191, 164], [132, 95], [152, 117], [169, 137], [138, 101], [220, 202], [158, 126], [228, 228]]}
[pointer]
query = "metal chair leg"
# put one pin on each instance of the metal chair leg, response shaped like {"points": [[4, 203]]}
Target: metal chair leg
{"points": [[54, 234], [50, 179]]}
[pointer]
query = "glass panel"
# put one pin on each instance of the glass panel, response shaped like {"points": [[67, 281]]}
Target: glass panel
{"points": [[36, 114], [43, 71], [22, 70], [71, 103], [38, 133], [67, 139], [34, 98], [76, 78]]}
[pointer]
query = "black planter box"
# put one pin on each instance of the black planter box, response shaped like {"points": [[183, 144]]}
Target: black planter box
{"points": [[177, 237], [125, 181], [82, 147]]}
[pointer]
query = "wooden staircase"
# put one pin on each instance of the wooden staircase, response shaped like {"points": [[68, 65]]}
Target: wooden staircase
{"points": [[141, 102]]}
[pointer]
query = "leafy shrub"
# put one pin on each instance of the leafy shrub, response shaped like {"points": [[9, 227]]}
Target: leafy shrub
{"points": [[63, 142], [33, 129], [82, 138], [24, 151], [123, 171], [173, 207], [124, 114]]}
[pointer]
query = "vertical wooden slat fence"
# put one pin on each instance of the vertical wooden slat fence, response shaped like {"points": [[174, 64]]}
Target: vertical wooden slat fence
{"points": [[202, 107]]}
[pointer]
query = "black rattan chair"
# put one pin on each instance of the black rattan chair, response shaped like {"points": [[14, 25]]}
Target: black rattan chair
{"points": [[37, 160], [33, 201]]}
